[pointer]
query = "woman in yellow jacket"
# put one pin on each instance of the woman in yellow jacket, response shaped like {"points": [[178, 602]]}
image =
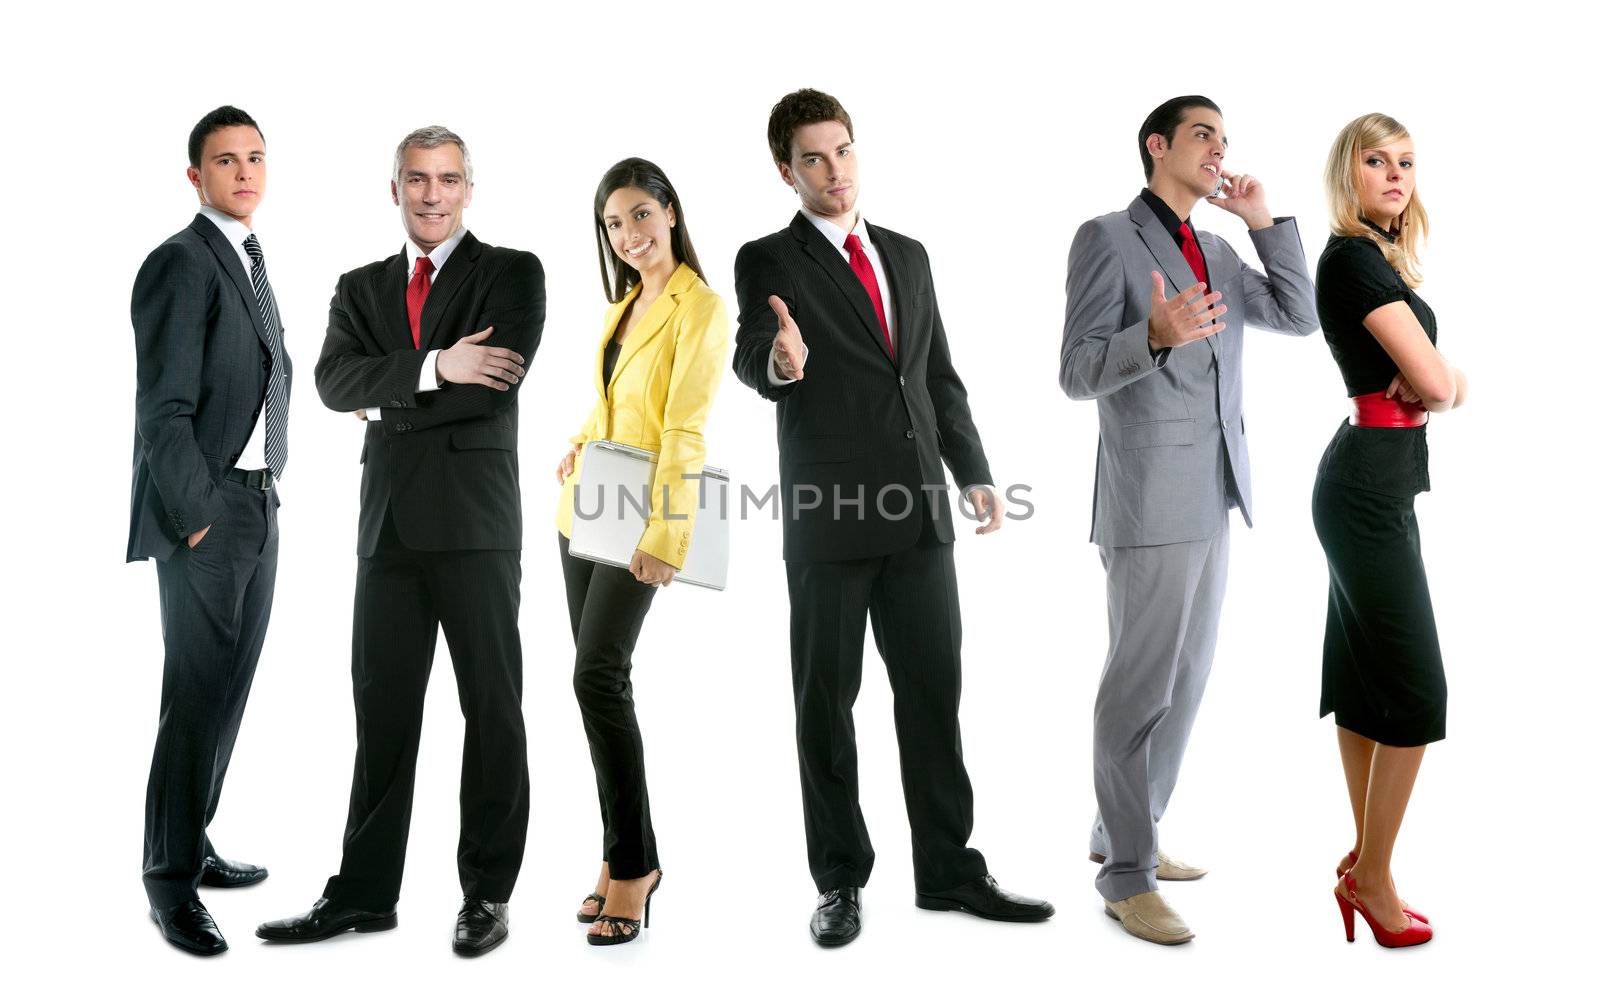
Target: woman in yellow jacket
{"points": [[658, 366]]}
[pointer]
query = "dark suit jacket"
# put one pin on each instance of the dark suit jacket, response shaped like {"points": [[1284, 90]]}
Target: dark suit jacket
{"points": [[203, 363], [444, 461], [860, 423]]}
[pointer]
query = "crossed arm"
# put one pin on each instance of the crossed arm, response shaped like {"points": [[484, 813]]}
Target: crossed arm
{"points": [[350, 378]]}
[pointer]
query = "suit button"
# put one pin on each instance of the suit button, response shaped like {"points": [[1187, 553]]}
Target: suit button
{"points": [[1224, 423], [902, 381], [911, 433], [266, 364]]}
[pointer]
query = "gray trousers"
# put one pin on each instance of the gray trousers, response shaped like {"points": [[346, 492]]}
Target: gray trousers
{"points": [[1163, 602]]}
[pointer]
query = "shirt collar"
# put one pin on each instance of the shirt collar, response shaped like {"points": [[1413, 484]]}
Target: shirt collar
{"points": [[1163, 212], [440, 254], [233, 229], [835, 234], [1387, 235]]}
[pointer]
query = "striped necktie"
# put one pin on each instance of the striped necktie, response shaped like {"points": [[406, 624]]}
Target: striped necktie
{"points": [[277, 413]]}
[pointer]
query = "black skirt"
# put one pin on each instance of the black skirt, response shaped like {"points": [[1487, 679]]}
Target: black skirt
{"points": [[1382, 673]]}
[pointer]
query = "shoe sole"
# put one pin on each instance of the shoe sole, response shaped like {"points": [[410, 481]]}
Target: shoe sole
{"points": [[1148, 938], [944, 904], [471, 951], [1095, 857], [383, 924], [184, 946], [833, 942], [229, 885]]}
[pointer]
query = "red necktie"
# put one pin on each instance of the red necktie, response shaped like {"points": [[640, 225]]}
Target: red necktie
{"points": [[417, 295], [1191, 252], [862, 267]]}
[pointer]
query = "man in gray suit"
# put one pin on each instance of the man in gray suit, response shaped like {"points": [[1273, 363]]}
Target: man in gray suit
{"points": [[1165, 372]]}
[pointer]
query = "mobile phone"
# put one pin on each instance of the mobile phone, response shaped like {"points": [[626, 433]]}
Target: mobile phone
{"points": [[1220, 190]]}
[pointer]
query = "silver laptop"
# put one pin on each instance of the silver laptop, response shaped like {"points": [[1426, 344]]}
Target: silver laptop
{"points": [[611, 507]]}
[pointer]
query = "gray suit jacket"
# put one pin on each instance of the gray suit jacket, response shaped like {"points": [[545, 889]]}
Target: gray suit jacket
{"points": [[1171, 428]]}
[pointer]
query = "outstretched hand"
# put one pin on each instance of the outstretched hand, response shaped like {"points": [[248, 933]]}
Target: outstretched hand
{"points": [[1188, 317], [788, 349]]}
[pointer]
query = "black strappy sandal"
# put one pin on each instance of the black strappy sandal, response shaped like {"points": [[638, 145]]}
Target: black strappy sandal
{"points": [[624, 929], [599, 906]]}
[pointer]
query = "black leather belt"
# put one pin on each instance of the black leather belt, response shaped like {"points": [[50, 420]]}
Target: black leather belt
{"points": [[255, 479]]}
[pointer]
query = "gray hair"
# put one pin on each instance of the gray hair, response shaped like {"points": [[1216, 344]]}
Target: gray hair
{"points": [[431, 137]]}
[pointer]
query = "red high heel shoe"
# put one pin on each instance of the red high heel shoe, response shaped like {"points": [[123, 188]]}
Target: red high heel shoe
{"points": [[1344, 868], [1414, 934]]}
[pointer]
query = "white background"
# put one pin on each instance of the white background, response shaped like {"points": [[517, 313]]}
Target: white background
{"points": [[988, 133]]}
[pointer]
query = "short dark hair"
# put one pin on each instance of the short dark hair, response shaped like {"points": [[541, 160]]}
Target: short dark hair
{"points": [[1164, 121], [223, 117], [615, 275], [795, 111]]}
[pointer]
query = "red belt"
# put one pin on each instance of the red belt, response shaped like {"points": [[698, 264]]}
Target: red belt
{"points": [[1374, 410]]}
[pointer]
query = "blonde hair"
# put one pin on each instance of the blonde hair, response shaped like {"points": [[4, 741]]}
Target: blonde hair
{"points": [[1367, 132]]}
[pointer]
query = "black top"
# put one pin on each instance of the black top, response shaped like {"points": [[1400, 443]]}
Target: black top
{"points": [[1170, 220], [1353, 280], [613, 349]]}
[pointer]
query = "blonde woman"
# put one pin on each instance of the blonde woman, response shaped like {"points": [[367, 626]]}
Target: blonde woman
{"points": [[1382, 674], [656, 371]]}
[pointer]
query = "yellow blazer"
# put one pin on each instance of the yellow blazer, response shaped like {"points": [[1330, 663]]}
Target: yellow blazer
{"points": [[660, 392]]}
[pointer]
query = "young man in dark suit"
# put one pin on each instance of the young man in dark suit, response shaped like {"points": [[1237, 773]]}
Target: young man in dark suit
{"points": [[210, 442], [428, 348], [869, 408]]}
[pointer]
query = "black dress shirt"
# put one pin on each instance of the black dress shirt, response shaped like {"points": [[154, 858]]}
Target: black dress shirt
{"points": [[1169, 219]]}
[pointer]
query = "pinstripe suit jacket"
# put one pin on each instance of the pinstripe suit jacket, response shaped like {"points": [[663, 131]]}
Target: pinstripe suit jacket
{"points": [[443, 462], [203, 361]]}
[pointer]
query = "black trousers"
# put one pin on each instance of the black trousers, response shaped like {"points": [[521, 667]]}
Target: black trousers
{"points": [[215, 602], [403, 598], [916, 621], [607, 606]]}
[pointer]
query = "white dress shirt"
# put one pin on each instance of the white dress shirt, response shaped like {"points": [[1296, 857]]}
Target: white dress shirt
{"points": [[254, 455], [836, 236], [427, 379]]}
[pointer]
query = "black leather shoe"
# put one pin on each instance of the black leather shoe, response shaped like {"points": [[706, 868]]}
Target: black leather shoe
{"points": [[219, 872], [326, 919], [837, 919], [480, 926], [189, 926], [984, 898]]}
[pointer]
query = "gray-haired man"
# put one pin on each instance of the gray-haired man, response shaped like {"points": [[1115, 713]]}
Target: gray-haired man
{"points": [[427, 347]]}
